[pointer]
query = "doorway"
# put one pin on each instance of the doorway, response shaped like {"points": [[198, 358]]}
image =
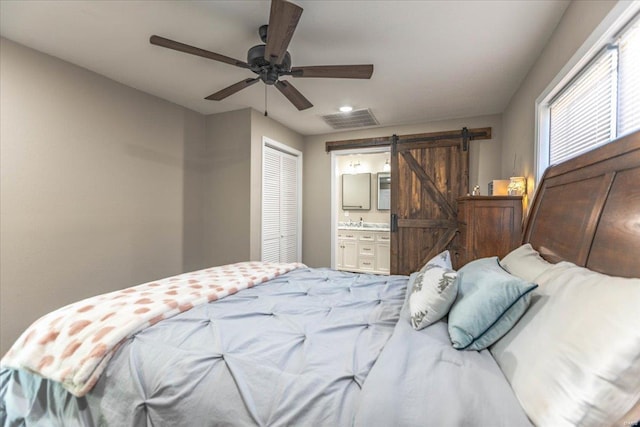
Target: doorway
{"points": [[429, 172], [360, 220]]}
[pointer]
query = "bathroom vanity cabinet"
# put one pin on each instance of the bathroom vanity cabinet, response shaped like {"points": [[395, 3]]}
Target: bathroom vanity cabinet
{"points": [[363, 251]]}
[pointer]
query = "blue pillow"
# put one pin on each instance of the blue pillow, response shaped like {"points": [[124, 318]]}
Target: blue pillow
{"points": [[489, 302]]}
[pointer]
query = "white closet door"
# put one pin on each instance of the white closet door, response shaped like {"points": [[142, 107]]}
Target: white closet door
{"points": [[280, 206], [271, 206], [288, 208]]}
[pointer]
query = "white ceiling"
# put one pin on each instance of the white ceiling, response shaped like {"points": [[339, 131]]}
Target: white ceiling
{"points": [[432, 59]]}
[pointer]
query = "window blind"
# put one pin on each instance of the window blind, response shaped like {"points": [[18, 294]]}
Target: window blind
{"points": [[601, 103], [629, 80], [582, 116]]}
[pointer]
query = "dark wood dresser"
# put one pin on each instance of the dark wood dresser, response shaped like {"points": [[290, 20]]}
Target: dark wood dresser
{"points": [[487, 226]]}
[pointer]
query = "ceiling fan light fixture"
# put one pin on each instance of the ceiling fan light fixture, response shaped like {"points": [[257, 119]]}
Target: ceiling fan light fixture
{"points": [[346, 109]]}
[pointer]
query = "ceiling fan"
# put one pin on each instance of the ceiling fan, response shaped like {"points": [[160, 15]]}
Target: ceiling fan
{"points": [[271, 61]]}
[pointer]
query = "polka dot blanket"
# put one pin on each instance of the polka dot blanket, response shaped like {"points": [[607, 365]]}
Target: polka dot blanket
{"points": [[73, 344]]}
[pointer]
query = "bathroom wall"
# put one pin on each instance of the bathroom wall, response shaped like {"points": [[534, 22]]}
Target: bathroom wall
{"points": [[367, 163]]}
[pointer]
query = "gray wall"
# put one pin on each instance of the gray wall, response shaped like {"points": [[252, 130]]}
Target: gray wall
{"points": [[195, 168], [92, 186], [484, 161], [226, 189], [577, 23]]}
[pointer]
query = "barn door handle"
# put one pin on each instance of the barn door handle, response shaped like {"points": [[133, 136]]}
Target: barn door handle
{"points": [[394, 223]]}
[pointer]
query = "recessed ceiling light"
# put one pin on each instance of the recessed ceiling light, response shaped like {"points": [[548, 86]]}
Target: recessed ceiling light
{"points": [[346, 108]]}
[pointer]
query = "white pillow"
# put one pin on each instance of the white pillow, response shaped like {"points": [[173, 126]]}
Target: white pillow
{"points": [[574, 357], [525, 263], [434, 290], [631, 418]]}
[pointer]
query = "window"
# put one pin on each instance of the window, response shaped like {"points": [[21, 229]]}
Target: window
{"points": [[629, 80], [582, 116], [595, 105]]}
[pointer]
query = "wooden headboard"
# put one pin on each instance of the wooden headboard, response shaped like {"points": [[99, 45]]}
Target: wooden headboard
{"points": [[587, 210]]}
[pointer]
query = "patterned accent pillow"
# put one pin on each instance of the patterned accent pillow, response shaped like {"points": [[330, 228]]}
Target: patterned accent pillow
{"points": [[434, 290], [443, 259]]}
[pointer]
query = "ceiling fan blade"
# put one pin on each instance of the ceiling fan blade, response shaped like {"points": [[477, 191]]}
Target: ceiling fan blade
{"points": [[181, 47], [283, 19], [222, 94], [293, 95], [334, 71]]}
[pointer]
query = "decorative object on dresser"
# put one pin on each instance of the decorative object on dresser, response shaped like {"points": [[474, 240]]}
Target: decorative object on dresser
{"points": [[498, 187], [517, 186], [487, 226]]}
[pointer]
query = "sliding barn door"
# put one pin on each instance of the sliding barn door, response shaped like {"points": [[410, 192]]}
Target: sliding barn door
{"points": [[427, 177], [280, 206]]}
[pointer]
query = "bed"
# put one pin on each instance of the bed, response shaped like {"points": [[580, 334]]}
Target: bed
{"points": [[274, 345]]}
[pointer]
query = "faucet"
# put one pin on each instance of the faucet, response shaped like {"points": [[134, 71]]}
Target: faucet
{"points": [[360, 224]]}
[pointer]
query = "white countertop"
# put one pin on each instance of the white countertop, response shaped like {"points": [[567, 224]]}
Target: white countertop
{"points": [[367, 226]]}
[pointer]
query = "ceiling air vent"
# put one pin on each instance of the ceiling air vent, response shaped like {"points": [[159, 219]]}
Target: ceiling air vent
{"points": [[353, 119]]}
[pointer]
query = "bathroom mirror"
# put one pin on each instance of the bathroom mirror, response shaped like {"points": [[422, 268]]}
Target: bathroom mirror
{"points": [[356, 192], [384, 191]]}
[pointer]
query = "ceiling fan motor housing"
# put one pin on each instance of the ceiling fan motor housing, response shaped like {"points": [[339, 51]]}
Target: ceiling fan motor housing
{"points": [[269, 73]]}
